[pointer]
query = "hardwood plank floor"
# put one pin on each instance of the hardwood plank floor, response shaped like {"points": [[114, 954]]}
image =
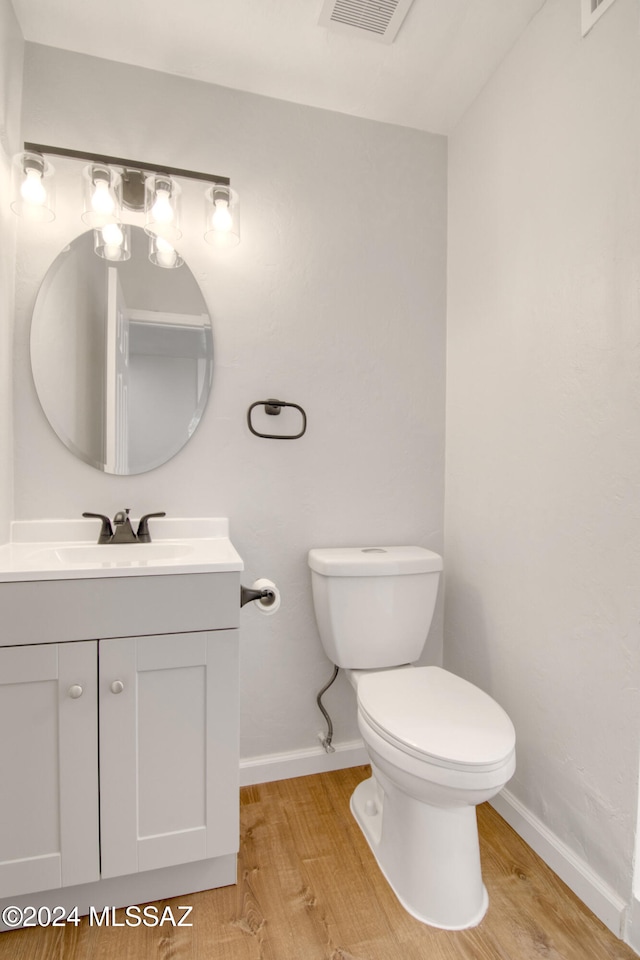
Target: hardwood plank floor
{"points": [[309, 889]]}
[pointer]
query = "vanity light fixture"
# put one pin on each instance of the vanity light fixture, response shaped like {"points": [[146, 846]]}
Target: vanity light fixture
{"points": [[222, 216], [33, 186], [162, 208], [163, 253], [111, 184], [102, 210], [113, 242], [102, 195]]}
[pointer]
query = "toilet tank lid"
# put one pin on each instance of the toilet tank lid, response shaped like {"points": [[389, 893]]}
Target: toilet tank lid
{"points": [[373, 561]]}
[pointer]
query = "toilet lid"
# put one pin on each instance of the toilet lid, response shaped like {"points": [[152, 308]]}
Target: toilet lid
{"points": [[436, 714]]}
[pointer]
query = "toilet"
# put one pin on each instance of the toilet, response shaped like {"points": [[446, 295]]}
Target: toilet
{"points": [[438, 745]]}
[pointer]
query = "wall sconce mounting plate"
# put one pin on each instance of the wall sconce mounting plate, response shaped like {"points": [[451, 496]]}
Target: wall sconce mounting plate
{"points": [[133, 189]]}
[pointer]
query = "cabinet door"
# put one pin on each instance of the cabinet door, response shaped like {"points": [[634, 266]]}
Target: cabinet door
{"points": [[49, 772], [169, 716]]}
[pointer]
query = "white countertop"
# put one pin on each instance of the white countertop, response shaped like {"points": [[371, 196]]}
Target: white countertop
{"points": [[68, 549]]}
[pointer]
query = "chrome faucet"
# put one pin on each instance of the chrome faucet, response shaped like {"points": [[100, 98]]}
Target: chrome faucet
{"points": [[122, 531]]}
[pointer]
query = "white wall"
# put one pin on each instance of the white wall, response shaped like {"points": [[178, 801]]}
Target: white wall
{"points": [[543, 420], [11, 57], [335, 299]]}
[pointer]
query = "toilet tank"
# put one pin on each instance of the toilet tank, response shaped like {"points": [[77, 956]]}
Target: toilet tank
{"points": [[374, 605]]}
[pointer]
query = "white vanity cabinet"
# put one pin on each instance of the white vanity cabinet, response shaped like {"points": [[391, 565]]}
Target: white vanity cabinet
{"points": [[168, 750], [119, 764], [49, 767], [140, 730]]}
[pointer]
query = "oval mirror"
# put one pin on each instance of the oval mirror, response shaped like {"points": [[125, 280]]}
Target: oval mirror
{"points": [[122, 355]]}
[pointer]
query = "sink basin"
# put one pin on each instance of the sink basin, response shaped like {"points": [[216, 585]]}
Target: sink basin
{"points": [[122, 554], [61, 549]]}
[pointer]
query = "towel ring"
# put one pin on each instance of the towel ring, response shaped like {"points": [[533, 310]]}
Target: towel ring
{"points": [[273, 409]]}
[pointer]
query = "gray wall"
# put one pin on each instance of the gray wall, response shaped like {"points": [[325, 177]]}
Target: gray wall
{"points": [[335, 299], [11, 58], [543, 421]]}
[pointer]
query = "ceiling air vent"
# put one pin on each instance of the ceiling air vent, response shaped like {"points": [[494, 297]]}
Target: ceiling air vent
{"points": [[374, 19]]}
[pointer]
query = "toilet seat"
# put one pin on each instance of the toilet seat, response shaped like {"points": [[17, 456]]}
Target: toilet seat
{"points": [[437, 717]]}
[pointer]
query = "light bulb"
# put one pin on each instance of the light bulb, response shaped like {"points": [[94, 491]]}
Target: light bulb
{"points": [[162, 210], [112, 235], [101, 199], [112, 242], [165, 253], [113, 239], [32, 189], [221, 219]]}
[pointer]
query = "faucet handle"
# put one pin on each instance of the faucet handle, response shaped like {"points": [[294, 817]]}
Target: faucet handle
{"points": [[143, 534], [106, 530]]}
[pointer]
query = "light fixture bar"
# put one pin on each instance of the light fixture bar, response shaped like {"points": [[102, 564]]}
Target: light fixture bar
{"points": [[120, 162]]}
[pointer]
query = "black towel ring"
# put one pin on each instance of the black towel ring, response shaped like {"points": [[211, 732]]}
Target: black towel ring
{"points": [[273, 408]]}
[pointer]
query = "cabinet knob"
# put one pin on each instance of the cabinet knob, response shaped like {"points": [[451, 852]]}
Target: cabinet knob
{"points": [[117, 686], [75, 691]]}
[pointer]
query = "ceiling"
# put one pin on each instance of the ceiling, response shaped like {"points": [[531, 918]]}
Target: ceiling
{"points": [[443, 55]]}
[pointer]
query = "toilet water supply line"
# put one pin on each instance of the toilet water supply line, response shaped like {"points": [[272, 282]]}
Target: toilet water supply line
{"points": [[326, 741], [268, 600]]}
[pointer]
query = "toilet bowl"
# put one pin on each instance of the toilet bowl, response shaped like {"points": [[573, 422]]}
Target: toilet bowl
{"points": [[438, 745]]}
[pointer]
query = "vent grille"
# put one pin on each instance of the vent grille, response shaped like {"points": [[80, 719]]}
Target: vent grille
{"points": [[367, 16], [375, 19]]}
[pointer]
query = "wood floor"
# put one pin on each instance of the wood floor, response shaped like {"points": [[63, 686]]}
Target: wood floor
{"points": [[309, 889]]}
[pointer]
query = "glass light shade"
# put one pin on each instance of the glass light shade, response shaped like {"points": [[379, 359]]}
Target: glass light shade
{"points": [[33, 187], [102, 195], [163, 254], [222, 216], [112, 242], [162, 207]]}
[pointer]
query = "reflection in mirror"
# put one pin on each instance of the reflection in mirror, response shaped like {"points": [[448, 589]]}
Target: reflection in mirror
{"points": [[122, 356]]}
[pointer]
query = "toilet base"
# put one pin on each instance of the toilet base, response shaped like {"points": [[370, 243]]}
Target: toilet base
{"points": [[429, 855]]}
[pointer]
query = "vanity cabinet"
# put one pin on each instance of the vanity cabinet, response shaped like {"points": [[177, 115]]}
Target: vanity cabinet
{"points": [[119, 714], [168, 750], [120, 756], [49, 772]]}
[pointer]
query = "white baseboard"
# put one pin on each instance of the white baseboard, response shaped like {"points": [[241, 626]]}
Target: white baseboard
{"points": [[300, 763], [601, 899], [632, 932]]}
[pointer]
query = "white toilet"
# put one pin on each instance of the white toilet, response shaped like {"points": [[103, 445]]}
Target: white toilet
{"points": [[438, 745]]}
